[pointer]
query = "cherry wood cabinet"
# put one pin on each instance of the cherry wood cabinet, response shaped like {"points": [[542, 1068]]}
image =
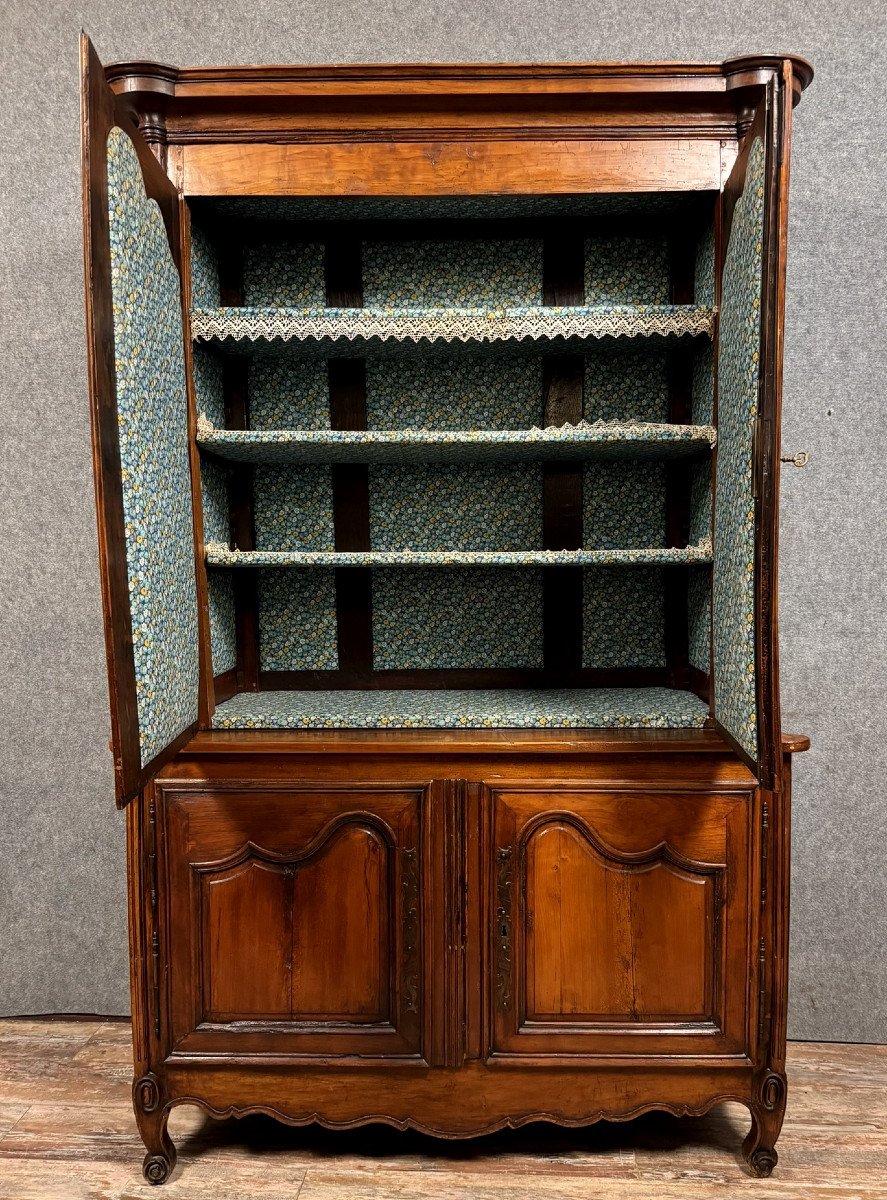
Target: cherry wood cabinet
{"points": [[436, 418]]}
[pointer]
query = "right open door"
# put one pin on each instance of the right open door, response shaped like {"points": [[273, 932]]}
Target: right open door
{"points": [[136, 358], [744, 642]]}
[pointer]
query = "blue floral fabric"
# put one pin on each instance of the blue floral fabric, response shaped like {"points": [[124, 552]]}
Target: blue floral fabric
{"points": [[452, 274], [471, 617], [699, 617], [444, 507], [222, 626], [733, 573], [153, 428], [465, 390], [623, 505], [581, 708], [348, 208], [605, 440], [289, 274], [623, 617], [286, 392], [626, 270], [293, 508], [218, 555], [205, 290], [297, 621], [206, 370], [626, 381]]}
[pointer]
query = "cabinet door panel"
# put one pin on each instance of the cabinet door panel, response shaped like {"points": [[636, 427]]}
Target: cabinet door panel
{"points": [[584, 910], [141, 442], [245, 975], [621, 922], [336, 925], [295, 920]]}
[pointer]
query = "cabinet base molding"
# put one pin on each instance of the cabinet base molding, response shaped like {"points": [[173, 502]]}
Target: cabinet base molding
{"points": [[471, 1101]]}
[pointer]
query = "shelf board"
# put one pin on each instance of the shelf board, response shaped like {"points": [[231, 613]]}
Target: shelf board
{"points": [[602, 440], [329, 325], [573, 708], [218, 555]]}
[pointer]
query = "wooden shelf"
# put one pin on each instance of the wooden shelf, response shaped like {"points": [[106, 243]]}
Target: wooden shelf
{"points": [[218, 555], [325, 325], [602, 440]]}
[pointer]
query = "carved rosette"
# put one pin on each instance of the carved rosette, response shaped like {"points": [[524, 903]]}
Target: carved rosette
{"points": [[146, 1093], [772, 1092]]}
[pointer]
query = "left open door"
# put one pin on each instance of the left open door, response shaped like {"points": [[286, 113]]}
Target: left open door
{"points": [[137, 382]]}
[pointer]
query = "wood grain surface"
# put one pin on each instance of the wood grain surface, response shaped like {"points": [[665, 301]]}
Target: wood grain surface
{"points": [[67, 1133]]}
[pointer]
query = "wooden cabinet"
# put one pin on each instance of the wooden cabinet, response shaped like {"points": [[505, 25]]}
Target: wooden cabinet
{"points": [[621, 922], [295, 920], [436, 421]]}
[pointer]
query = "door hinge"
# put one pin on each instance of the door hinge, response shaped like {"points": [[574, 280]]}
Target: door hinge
{"points": [[765, 850], [152, 898], [504, 882], [763, 1014]]}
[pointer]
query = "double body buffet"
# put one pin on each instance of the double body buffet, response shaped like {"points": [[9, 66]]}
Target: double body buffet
{"points": [[436, 420]]}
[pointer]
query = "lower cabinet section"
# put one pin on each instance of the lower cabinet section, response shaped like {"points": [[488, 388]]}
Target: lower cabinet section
{"points": [[295, 920], [621, 922], [448, 921], [356, 940]]}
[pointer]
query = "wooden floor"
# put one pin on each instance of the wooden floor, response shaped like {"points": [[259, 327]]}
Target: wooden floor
{"points": [[67, 1133]]}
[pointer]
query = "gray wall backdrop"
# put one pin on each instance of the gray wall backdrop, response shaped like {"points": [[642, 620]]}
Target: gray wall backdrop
{"points": [[62, 899]]}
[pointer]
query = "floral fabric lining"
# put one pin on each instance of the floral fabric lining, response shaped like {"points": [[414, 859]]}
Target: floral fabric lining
{"points": [[733, 575], [585, 708], [152, 411]]}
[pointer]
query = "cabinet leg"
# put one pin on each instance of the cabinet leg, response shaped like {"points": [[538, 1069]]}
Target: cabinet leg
{"points": [[152, 1117], [767, 1113]]}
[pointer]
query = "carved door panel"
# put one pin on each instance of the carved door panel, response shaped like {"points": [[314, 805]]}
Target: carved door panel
{"points": [[619, 922], [295, 920]]}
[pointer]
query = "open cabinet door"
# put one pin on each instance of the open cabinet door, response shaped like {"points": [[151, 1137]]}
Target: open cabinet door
{"points": [[744, 636], [136, 358]]}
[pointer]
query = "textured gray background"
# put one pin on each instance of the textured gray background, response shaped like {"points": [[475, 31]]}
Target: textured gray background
{"points": [[62, 901]]}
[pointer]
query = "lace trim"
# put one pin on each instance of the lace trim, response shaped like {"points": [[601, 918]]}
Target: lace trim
{"points": [[460, 325], [219, 555]]}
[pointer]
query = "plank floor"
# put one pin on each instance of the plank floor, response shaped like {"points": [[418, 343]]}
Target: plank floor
{"points": [[67, 1133]]}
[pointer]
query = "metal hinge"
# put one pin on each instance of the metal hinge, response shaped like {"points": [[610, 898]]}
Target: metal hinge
{"points": [[756, 447], [763, 1014], [765, 850], [155, 932]]}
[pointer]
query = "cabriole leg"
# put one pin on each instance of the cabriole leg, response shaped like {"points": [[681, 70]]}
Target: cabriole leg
{"points": [[767, 1113], [152, 1118]]}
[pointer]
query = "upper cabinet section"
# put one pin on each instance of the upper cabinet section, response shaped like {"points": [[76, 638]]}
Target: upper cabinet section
{"points": [[437, 130]]}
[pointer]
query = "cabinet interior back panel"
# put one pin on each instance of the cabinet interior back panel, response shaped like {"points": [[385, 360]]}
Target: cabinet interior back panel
{"points": [[457, 618], [462, 388], [454, 273], [297, 620]]}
